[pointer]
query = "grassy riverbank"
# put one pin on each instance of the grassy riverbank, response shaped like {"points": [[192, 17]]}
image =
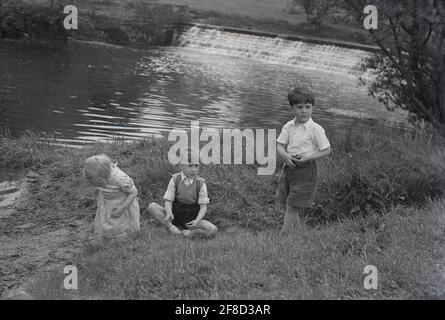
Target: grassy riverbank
{"points": [[322, 263], [380, 202]]}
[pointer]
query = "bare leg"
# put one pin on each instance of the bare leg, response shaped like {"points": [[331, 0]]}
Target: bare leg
{"points": [[203, 228], [291, 220], [159, 214]]}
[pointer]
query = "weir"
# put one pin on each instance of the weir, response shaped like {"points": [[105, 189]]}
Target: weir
{"points": [[314, 54]]}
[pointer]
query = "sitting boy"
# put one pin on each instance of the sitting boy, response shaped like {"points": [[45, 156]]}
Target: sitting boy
{"points": [[185, 204]]}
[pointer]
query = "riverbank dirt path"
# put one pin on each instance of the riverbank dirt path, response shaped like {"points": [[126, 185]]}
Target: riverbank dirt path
{"points": [[46, 226], [31, 244]]}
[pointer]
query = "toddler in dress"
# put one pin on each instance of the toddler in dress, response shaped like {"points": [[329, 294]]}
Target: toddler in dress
{"points": [[117, 212]]}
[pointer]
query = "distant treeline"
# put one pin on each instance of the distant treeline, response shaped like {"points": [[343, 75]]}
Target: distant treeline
{"points": [[111, 21]]}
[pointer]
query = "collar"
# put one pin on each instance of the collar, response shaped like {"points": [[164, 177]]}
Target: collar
{"points": [[183, 176], [305, 124]]}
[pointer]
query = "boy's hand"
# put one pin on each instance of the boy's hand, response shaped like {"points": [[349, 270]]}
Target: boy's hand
{"points": [[302, 160], [290, 161], [168, 217], [192, 224]]}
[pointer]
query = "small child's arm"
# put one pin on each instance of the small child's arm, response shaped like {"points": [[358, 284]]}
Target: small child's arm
{"points": [[130, 198]]}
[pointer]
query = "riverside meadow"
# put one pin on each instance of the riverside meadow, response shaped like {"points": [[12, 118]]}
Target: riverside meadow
{"points": [[379, 202]]}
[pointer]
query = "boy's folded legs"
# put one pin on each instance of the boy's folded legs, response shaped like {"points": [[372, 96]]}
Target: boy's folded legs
{"points": [[204, 228], [159, 214], [173, 229]]}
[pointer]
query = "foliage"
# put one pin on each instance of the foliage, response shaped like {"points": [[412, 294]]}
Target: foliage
{"points": [[409, 72], [316, 10], [20, 20]]}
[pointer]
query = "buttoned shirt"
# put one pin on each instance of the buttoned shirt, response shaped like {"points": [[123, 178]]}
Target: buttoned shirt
{"points": [[303, 138], [170, 194]]}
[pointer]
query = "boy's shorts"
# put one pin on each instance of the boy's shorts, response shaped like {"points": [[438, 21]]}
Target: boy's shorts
{"points": [[297, 186], [184, 213]]}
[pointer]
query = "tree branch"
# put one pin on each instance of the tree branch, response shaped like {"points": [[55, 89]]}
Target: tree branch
{"points": [[441, 95], [418, 84], [396, 39], [430, 30], [420, 105]]}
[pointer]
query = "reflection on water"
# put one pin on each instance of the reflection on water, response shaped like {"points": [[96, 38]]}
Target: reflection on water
{"points": [[85, 92]]}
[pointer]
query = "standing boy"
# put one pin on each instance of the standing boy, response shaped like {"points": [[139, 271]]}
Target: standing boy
{"points": [[300, 144]]}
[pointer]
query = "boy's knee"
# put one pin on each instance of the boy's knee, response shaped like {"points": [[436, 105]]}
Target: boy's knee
{"points": [[213, 231], [152, 206]]}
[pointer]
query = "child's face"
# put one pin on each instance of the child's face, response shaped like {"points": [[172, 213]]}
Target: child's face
{"points": [[95, 179], [190, 170], [97, 174], [302, 111]]}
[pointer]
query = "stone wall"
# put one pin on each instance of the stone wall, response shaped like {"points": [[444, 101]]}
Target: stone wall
{"points": [[120, 22]]}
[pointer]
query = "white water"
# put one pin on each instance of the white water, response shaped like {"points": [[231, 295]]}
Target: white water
{"points": [[322, 57]]}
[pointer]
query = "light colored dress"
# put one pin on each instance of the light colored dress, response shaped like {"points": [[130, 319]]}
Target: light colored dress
{"points": [[111, 197]]}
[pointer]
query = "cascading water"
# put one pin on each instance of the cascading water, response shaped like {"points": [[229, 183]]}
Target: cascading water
{"points": [[323, 57]]}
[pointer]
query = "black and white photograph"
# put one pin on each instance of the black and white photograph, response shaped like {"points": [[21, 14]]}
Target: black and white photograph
{"points": [[222, 155]]}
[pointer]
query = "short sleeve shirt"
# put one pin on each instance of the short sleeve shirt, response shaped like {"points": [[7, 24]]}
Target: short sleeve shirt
{"points": [[171, 189], [303, 138], [120, 180]]}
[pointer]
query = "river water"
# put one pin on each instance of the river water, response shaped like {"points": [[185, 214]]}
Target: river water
{"points": [[83, 92]]}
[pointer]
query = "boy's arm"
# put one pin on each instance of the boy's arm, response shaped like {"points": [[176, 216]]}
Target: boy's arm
{"points": [[169, 197], [203, 200], [199, 217], [319, 154], [168, 209], [281, 148], [314, 156], [324, 147], [282, 142], [202, 212]]}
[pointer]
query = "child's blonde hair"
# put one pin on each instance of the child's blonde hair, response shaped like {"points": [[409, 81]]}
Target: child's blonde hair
{"points": [[97, 170]]}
